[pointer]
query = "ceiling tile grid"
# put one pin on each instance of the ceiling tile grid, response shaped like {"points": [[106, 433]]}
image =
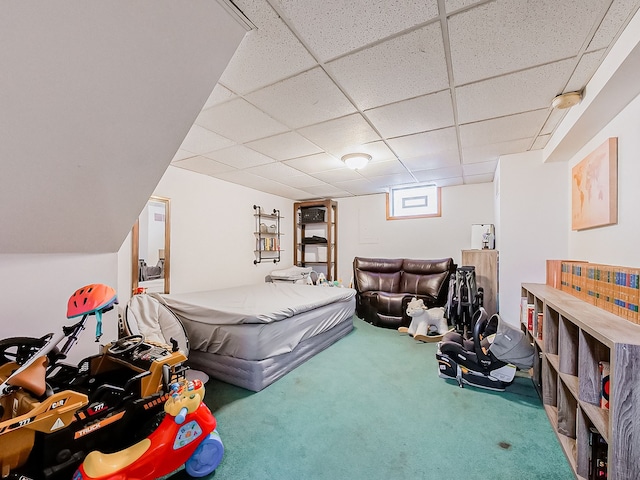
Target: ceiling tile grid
{"points": [[428, 112], [308, 98], [347, 26], [402, 67], [505, 36], [433, 96]]}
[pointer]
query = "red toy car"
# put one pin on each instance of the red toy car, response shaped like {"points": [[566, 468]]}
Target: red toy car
{"points": [[186, 436], [53, 414]]}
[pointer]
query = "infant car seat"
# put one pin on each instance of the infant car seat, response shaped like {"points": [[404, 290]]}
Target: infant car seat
{"points": [[147, 316], [490, 359]]}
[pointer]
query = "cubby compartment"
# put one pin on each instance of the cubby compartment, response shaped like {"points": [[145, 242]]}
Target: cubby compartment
{"points": [[579, 344]]}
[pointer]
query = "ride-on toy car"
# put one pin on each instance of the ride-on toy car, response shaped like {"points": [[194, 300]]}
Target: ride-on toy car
{"points": [[53, 414], [186, 436]]}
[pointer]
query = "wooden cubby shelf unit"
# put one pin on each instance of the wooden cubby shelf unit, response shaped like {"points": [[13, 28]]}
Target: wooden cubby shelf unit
{"points": [[576, 336]]}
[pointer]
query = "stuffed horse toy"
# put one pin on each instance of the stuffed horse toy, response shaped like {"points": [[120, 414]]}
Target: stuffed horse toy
{"points": [[427, 324]]}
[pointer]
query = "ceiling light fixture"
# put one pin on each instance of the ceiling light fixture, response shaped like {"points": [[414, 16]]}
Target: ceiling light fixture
{"points": [[566, 100], [356, 161]]}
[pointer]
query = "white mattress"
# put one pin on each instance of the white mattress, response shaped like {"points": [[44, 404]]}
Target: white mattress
{"points": [[259, 303], [228, 322]]}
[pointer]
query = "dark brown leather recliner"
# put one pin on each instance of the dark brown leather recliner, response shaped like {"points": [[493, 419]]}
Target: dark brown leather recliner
{"points": [[385, 286]]}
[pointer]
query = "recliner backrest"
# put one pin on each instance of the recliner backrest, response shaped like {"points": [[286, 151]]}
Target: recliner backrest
{"points": [[426, 277], [377, 274]]}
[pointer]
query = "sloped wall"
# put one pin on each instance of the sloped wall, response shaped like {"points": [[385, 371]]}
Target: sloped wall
{"points": [[95, 102]]}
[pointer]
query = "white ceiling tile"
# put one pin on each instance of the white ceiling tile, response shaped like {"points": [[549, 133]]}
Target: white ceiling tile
{"points": [[267, 54], [239, 121], [308, 98], [203, 165], [491, 151], [285, 146], [434, 160], [239, 156], [201, 140], [359, 187], [379, 151], [385, 181], [584, 71], [420, 114], [347, 26], [301, 181], [421, 144], [403, 67], [218, 95], [517, 92], [274, 171], [555, 116], [315, 163], [484, 178], [438, 173], [327, 191], [342, 134], [505, 36], [379, 169], [449, 182], [338, 175], [540, 142], [181, 155], [285, 191], [480, 168], [497, 130], [262, 184], [616, 17], [453, 5]]}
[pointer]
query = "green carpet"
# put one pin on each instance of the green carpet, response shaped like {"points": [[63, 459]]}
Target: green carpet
{"points": [[372, 407]]}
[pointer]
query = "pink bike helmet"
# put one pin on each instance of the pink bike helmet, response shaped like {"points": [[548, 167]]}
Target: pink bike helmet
{"points": [[94, 299]]}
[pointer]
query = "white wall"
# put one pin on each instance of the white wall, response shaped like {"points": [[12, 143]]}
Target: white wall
{"points": [[34, 290], [212, 233], [534, 223], [615, 244], [364, 231]]}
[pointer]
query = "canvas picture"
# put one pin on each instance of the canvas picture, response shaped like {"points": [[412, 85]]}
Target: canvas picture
{"points": [[594, 188]]}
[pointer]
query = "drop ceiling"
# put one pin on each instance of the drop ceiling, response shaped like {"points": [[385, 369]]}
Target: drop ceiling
{"points": [[434, 90]]}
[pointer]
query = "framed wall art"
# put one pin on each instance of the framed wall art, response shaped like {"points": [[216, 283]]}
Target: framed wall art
{"points": [[594, 188]]}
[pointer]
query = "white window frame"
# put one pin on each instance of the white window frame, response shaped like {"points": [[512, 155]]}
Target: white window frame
{"points": [[414, 201]]}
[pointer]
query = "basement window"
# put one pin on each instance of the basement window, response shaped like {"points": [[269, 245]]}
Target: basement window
{"points": [[413, 201]]}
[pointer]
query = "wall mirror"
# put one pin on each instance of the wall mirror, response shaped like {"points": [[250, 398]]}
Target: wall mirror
{"points": [[151, 252]]}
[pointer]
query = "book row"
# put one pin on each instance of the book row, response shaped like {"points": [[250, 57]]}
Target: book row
{"points": [[614, 289], [268, 244]]}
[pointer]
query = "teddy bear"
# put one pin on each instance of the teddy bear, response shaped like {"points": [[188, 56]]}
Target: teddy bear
{"points": [[427, 324]]}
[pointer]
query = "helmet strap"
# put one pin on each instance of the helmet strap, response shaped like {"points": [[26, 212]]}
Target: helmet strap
{"points": [[98, 325]]}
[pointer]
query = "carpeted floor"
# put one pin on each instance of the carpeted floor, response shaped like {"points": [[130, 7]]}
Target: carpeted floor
{"points": [[372, 407]]}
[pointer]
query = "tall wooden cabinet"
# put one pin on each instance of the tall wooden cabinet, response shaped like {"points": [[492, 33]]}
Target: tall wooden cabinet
{"points": [[486, 266], [573, 343], [315, 236]]}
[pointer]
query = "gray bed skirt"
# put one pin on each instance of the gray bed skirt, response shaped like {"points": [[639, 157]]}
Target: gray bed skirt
{"points": [[257, 374]]}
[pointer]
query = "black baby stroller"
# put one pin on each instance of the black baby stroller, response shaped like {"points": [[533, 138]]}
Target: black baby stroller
{"points": [[464, 299], [490, 359]]}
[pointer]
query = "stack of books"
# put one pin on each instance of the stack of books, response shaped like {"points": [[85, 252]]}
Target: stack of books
{"points": [[597, 455]]}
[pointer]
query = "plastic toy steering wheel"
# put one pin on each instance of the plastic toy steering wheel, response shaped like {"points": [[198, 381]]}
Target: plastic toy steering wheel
{"points": [[125, 344]]}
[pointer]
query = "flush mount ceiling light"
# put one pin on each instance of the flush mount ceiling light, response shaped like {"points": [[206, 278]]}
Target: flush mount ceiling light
{"points": [[356, 161], [566, 100]]}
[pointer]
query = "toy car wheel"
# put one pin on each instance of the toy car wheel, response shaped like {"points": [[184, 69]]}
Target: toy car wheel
{"points": [[207, 456], [21, 349]]}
